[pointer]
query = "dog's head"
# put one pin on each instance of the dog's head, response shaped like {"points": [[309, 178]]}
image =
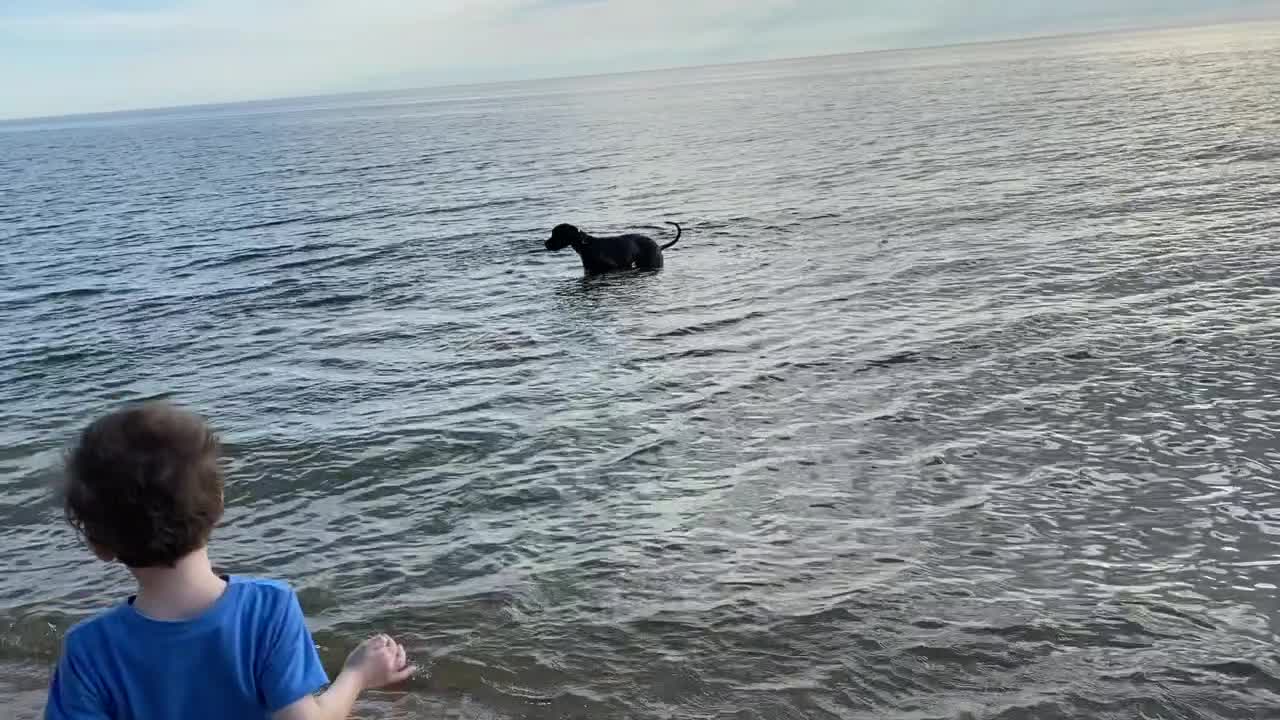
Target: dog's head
{"points": [[563, 236]]}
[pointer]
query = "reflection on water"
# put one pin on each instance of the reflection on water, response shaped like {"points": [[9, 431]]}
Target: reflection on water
{"points": [[957, 399]]}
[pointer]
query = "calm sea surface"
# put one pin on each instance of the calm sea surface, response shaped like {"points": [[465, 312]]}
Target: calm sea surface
{"points": [[958, 399]]}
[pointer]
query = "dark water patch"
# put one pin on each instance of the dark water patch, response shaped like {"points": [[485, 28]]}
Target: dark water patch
{"points": [[264, 224], [336, 299], [73, 293], [712, 326]]}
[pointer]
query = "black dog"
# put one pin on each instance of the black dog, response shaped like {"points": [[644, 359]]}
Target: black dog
{"points": [[612, 253]]}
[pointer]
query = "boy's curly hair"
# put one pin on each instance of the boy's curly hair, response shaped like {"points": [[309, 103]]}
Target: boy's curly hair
{"points": [[144, 484]]}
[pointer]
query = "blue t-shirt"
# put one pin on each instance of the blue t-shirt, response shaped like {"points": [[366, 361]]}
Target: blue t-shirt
{"points": [[246, 657]]}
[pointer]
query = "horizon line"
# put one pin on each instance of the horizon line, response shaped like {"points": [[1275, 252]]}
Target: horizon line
{"points": [[1032, 37]]}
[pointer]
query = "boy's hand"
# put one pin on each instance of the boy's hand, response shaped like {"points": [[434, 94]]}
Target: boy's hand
{"points": [[376, 663], [379, 662]]}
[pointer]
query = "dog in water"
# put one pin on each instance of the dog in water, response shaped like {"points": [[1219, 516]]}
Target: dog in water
{"points": [[613, 252]]}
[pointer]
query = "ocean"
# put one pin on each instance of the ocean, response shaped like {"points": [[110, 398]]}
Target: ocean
{"points": [[958, 399]]}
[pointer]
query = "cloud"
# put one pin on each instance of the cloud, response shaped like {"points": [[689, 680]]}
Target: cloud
{"points": [[61, 56]]}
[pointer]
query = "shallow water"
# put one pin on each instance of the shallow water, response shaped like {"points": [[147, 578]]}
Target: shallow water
{"points": [[958, 399]]}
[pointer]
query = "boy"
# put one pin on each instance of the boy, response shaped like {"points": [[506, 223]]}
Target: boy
{"points": [[144, 487]]}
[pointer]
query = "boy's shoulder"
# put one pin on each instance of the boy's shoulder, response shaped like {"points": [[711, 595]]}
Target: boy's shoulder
{"points": [[93, 629], [275, 589], [260, 593], [257, 596]]}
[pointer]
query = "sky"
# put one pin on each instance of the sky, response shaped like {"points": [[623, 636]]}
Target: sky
{"points": [[71, 56]]}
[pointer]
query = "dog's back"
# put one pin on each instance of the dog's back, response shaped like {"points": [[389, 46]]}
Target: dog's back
{"points": [[647, 252], [612, 252]]}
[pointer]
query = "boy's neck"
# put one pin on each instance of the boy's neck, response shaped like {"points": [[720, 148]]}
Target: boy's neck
{"points": [[181, 592]]}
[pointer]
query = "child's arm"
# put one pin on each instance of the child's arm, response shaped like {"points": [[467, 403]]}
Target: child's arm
{"points": [[377, 662]]}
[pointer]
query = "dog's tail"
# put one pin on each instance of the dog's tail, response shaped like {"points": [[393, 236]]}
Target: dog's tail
{"points": [[679, 232]]}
